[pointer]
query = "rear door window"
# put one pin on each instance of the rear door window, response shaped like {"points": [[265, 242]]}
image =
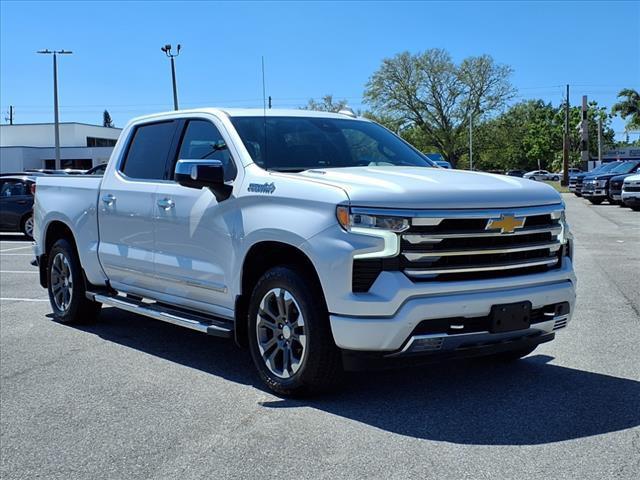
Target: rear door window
{"points": [[148, 151]]}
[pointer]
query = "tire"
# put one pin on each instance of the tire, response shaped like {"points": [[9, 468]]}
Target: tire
{"points": [[512, 355], [26, 226], [556, 179], [635, 208], [276, 335], [577, 194], [596, 201], [66, 286]]}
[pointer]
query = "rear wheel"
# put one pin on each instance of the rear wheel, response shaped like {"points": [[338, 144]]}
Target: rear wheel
{"points": [[67, 287], [556, 178], [27, 226], [289, 334]]}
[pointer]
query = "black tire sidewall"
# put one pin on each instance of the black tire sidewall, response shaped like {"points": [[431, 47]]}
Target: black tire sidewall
{"points": [[70, 315], [314, 311]]}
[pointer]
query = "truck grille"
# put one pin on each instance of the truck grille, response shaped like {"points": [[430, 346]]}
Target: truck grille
{"points": [[632, 188], [468, 247]]}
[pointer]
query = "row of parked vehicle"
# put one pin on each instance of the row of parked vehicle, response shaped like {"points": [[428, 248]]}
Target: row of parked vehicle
{"points": [[616, 182], [16, 196]]}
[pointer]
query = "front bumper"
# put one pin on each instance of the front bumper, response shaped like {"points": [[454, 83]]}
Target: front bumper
{"points": [[630, 198], [395, 335]]}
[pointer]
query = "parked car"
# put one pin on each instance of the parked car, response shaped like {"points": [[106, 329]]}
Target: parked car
{"points": [[631, 191], [515, 173], [442, 163], [596, 187], [314, 250], [572, 171], [541, 175], [615, 188], [16, 203], [576, 182]]}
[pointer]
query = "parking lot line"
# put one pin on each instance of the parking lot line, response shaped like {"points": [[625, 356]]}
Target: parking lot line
{"points": [[15, 248], [12, 299], [16, 254], [18, 271]]}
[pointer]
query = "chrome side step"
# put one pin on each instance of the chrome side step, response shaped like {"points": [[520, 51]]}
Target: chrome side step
{"points": [[195, 321]]}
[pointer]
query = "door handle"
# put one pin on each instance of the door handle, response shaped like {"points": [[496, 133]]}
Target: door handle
{"points": [[166, 204], [108, 199]]}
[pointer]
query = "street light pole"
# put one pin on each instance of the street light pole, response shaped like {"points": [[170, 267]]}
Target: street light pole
{"points": [[167, 50], [56, 116]]}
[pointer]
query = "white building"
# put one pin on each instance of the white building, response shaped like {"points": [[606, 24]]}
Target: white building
{"points": [[32, 146]]}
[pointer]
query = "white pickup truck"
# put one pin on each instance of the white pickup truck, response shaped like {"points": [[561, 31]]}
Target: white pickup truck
{"points": [[321, 241]]}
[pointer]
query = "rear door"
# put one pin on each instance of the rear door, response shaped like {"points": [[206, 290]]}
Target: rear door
{"points": [[16, 203], [193, 230], [126, 207]]}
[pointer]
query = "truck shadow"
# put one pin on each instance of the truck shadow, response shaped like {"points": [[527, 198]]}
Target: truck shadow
{"points": [[467, 402]]}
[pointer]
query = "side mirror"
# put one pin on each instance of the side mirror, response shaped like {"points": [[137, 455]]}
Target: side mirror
{"points": [[203, 173]]}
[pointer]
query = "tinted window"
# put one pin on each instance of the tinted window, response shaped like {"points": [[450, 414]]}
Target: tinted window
{"points": [[13, 189], [148, 151], [202, 140], [300, 143]]}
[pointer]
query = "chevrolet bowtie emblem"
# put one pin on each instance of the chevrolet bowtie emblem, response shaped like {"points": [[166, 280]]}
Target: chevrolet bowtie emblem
{"points": [[506, 223]]}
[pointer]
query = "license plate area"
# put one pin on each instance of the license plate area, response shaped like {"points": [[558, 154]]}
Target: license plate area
{"points": [[510, 317]]}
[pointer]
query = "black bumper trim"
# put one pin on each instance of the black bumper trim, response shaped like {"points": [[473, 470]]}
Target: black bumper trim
{"points": [[353, 360]]}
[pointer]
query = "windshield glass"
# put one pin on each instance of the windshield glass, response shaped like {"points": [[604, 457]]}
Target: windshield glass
{"points": [[624, 167], [302, 143]]}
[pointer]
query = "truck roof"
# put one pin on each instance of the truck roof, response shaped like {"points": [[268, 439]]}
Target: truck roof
{"points": [[250, 112]]}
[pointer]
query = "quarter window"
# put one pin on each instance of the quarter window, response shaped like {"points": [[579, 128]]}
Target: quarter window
{"points": [[148, 152], [202, 140]]}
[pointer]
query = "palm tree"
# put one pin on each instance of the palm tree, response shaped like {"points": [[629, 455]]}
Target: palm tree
{"points": [[629, 107]]}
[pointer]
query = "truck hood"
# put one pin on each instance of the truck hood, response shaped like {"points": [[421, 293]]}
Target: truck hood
{"points": [[422, 187]]}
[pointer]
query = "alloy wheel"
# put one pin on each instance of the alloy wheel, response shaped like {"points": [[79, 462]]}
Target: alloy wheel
{"points": [[61, 282], [281, 333]]}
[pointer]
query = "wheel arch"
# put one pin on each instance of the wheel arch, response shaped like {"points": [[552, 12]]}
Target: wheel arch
{"points": [[261, 257], [54, 231]]}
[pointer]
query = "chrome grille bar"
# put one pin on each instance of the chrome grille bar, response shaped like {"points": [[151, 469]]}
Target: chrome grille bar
{"points": [[417, 256], [436, 237], [414, 272]]}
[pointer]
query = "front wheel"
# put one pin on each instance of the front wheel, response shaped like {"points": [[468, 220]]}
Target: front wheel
{"points": [[66, 286], [556, 179], [596, 201], [289, 334]]}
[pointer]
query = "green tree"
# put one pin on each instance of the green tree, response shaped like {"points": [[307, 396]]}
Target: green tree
{"points": [[529, 136], [437, 96], [325, 104], [628, 107], [106, 119]]}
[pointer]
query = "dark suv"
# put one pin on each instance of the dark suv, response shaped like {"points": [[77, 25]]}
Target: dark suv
{"points": [[577, 181], [16, 203], [596, 186]]}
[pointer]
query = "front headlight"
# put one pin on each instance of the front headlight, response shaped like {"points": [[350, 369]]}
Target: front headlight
{"points": [[377, 225], [602, 183], [350, 220]]}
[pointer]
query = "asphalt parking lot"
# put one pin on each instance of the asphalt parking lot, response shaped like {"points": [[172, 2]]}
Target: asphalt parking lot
{"points": [[134, 398]]}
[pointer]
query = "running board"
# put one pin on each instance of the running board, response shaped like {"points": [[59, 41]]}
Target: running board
{"points": [[195, 321]]}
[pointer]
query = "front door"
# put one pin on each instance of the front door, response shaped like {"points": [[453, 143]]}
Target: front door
{"points": [[127, 207], [194, 231], [16, 203]]}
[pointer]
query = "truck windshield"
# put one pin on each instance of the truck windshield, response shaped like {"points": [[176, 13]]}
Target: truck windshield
{"points": [[301, 143]]}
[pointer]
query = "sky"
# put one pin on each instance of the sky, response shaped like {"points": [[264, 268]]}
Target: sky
{"points": [[310, 49]]}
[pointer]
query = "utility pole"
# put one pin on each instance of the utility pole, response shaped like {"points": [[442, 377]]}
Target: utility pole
{"points": [[565, 143], [56, 120], [599, 139], [167, 50], [10, 117], [471, 141], [584, 134]]}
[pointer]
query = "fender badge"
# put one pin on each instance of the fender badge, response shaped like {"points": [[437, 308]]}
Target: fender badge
{"points": [[262, 188]]}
